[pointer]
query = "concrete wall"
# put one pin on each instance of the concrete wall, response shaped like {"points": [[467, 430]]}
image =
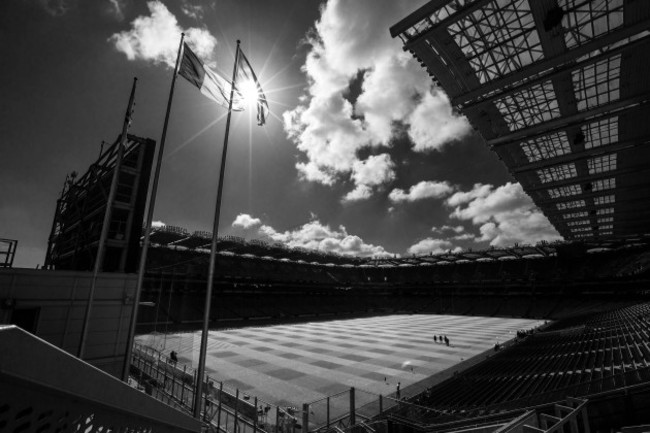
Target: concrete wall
{"points": [[56, 301]]}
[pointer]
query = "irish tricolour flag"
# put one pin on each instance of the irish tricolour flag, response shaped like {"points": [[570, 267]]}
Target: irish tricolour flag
{"points": [[211, 84]]}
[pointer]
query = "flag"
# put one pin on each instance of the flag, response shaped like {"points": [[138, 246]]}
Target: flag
{"points": [[245, 74], [210, 83]]}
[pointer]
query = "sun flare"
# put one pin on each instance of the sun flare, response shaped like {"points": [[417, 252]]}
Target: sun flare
{"points": [[249, 93]]}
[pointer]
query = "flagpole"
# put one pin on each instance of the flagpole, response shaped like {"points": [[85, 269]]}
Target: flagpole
{"points": [[213, 253], [103, 237], [142, 266]]}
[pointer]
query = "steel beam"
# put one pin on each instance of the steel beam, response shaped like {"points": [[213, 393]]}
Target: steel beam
{"points": [[580, 180], [604, 111], [554, 62], [426, 11], [577, 156], [555, 73], [589, 207]]}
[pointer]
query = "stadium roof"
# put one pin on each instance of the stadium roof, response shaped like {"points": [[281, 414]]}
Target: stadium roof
{"points": [[199, 242], [560, 91]]}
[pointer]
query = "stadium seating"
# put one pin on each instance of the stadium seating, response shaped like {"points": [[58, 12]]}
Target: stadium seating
{"points": [[579, 357]]}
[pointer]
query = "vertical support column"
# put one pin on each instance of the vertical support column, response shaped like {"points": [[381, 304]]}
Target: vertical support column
{"points": [[381, 404], [585, 420], [256, 416], [194, 393], [305, 418], [328, 413], [183, 384], [235, 429], [277, 418], [68, 314], [353, 415], [174, 378], [220, 399], [574, 422]]}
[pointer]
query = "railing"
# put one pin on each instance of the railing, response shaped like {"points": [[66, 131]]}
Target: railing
{"points": [[223, 409], [45, 389]]}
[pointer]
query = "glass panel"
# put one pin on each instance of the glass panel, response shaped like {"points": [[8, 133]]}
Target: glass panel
{"points": [[498, 38], [586, 20], [570, 204], [568, 216], [565, 191], [601, 133], [602, 164], [606, 199], [558, 172], [545, 147], [603, 184], [597, 84]]}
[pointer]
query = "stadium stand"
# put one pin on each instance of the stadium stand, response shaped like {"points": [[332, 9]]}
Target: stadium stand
{"points": [[580, 357], [274, 285]]}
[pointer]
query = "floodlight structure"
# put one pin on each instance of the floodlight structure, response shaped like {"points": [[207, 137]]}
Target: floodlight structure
{"points": [[559, 89]]}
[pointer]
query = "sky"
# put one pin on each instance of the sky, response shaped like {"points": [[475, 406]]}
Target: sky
{"points": [[361, 155]]}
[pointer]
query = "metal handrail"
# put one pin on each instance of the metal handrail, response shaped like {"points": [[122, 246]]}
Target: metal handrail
{"points": [[47, 389]]}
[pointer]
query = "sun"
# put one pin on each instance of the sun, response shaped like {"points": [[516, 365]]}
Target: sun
{"points": [[249, 92]]}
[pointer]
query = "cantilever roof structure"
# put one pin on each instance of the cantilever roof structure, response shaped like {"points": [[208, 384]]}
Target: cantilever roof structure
{"points": [[560, 90], [174, 237]]}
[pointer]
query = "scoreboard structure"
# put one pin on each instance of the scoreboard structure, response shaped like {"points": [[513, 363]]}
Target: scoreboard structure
{"points": [[79, 216]]}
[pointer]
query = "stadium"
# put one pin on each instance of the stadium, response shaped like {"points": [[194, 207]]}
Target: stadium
{"points": [[551, 337]]}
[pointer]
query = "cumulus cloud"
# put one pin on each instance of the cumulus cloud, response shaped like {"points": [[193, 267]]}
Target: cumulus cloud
{"points": [[421, 190], [321, 237], [432, 246], [462, 197], [433, 125], [155, 38], [349, 41], [360, 192], [505, 215], [369, 173], [246, 221]]}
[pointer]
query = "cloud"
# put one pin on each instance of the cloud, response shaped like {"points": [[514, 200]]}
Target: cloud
{"points": [[320, 237], [446, 228], [464, 237], [433, 125], [432, 246], [350, 40], [361, 192], [372, 172], [421, 190], [462, 197], [246, 221], [505, 215], [158, 224], [193, 11], [57, 8], [457, 233], [155, 38]]}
